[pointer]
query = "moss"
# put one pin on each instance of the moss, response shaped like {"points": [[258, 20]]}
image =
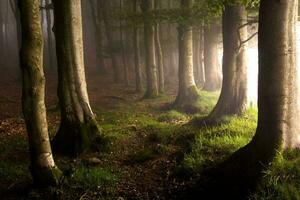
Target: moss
{"points": [[45, 177]]}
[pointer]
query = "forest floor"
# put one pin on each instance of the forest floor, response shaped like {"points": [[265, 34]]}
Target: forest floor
{"points": [[153, 151]]}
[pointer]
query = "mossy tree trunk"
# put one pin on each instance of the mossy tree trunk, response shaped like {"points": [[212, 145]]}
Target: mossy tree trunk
{"points": [[278, 111], [187, 91], [137, 62], [213, 79], [78, 126], [151, 69], [159, 55], [42, 166], [233, 98]]}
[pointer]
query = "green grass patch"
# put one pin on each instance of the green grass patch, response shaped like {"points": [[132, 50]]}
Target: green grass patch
{"points": [[282, 179], [214, 144], [173, 116], [94, 177]]}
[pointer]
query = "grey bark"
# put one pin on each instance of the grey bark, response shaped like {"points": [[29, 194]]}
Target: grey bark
{"points": [[42, 165]]}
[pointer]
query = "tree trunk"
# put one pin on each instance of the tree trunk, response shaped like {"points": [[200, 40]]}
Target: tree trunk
{"points": [[124, 60], [187, 92], [42, 167], [233, 98], [278, 125], [151, 70], [137, 62], [198, 56], [103, 7], [211, 63], [49, 34], [159, 55], [78, 126], [97, 19]]}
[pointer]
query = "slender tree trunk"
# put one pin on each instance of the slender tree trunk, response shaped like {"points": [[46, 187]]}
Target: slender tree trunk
{"points": [[124, 60], [211, 63], [201, 58], [103, 7], [49, 33], [78, 128], [137, 62], [42, 166], [187, 92], [159, 55], [151, 70], [233, 98], [97, 19]]}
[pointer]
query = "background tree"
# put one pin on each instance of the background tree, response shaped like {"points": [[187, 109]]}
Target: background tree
{"points": [[213, 79], [151, 69], [42, 165], [187, 92], [233, 98]]}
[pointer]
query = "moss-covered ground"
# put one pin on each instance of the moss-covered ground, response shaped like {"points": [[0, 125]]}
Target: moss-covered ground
{"points": [[153, 153]]}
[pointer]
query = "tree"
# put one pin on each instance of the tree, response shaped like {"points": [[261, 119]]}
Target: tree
{"points": [[151, 70], [211, 63], [159, 54], [187, 93], [233, 98], [137, 62], [49, 34], [103, 7], [78, 128], [97, 20], [42, 165]]}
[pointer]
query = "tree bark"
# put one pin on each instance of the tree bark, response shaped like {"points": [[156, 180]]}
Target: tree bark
{"points": [[103, 7], [187, 92], [42, 165], [211, 63], [124, 60], [137, 62], [233, 98], [159, 55], [97, 20], [278, 111], [49, 34], [78, 128], [151, 70]]}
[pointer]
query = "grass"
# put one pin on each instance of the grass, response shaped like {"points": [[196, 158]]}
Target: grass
{"points": [[214, 144], [155, 133], [282, 179]]}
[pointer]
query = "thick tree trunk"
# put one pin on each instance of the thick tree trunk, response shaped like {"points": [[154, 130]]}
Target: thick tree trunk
{"points": [[103, 7], [211, 63], [159, 55], [43, 168], [187, 92], [151, 70], [78, 126], [278, 111], [137, 62], [233, 98]]}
